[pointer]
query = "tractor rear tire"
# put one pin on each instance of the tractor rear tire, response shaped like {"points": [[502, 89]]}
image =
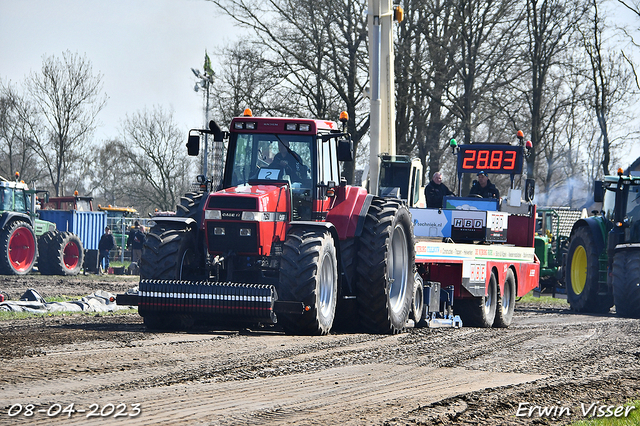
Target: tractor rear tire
{"points": [[506, 302], [309, 274], [385, 267], [582, 275], [61, 253], [346, 319], [190, 206], [19, 248], [480, 311], [170, 252], [626, 283]]}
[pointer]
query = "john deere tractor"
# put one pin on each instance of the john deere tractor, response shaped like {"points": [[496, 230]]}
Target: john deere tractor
{"points": [[26, 240], [603, 259]]}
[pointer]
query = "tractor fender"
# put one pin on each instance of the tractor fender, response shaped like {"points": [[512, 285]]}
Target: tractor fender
{"points": [[596, 228], [349, 211], [323, 225], [8, 217], [172, 219], [326, 226]]}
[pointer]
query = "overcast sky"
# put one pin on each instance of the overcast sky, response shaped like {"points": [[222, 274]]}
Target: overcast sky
{"points": [[144, 49]]}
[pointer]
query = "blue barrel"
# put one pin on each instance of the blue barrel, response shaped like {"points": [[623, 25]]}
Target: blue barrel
{"points": [[88, 226]]}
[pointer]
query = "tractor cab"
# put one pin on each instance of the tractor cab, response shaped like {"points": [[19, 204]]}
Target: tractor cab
{"points": [[401, 177], [620, 197]]}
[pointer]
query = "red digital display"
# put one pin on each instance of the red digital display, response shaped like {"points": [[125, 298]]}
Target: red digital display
{"points": [[491, 158]]}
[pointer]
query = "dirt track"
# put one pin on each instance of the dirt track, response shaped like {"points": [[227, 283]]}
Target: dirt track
{"points": [[549, 357]]}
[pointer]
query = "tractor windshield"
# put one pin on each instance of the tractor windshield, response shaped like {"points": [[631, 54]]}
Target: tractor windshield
{"points": [[270, 157], [633, 212]]}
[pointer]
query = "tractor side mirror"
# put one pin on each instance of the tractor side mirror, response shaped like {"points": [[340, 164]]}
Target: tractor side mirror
{"points": [[598, 191], [193, 145], [345, 150], [529, 190]]}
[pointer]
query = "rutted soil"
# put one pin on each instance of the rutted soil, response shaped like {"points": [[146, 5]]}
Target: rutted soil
{"points": [[549, 358]]}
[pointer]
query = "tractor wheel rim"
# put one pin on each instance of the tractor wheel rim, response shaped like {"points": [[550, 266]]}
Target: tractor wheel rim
{"points": [[398, 269], [579, 270], [71, 255], [22, 249], [326, 295]]}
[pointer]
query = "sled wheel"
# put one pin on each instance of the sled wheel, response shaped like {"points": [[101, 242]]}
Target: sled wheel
{"points": [[506, 302]]}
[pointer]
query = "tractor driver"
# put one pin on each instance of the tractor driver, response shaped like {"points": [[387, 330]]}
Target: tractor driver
{"points": [[483, 187], [289, 162]]}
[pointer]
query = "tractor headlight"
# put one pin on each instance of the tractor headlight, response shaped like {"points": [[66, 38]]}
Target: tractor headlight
{"points": [[245, 232], [213, 214], [218, 231]]}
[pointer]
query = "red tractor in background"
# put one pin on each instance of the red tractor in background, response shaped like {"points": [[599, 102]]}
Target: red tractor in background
{"points": [[279, 242]]}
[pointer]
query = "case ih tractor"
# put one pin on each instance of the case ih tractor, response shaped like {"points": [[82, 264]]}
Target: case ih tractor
{"points": [[25, 239], [603, 260], [282, 239]]}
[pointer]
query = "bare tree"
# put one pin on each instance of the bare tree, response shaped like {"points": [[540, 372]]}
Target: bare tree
{"points": [[16, 154], [66, 99], [247, 80], [321, 48], [550, 25], [157, 170], [610, 81]]}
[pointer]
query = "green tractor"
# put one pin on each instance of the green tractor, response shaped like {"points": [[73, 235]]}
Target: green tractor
{"points": [[26, 240], [553, 228], [603, 258]]}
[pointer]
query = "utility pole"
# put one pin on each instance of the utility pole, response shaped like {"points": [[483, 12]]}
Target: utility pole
{"points": [[206, 79]]}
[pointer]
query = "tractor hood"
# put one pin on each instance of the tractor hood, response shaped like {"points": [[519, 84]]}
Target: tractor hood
{"points": [[247, 219], [270, 198]]}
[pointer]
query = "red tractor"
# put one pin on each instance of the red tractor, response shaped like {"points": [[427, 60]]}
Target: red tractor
{"points": [[283, 239]]}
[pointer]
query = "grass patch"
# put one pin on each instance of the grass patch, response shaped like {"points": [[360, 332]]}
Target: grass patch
{"points": [[7, 315], [632, 420], [534, 299]]}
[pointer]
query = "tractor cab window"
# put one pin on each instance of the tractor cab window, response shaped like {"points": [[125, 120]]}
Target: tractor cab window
{"points": [[6, 199], [271, 157], [20, 200], [633, 212], [395, 175], [609, 202]]}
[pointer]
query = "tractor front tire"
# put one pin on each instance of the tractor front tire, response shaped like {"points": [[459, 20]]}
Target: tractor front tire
{"points": [[385, 263], [582, 275], [309, 274], [170, 252], [626, 282], [19, 248], [61, 253]]}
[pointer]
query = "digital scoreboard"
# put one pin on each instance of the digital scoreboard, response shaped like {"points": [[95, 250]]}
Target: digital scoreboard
{"points": [[490, 158]]}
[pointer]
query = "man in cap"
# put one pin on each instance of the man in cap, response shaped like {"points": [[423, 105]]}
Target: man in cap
{"points": [[483, 187]]}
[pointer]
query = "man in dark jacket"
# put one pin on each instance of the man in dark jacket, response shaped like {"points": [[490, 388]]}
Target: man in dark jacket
{"points": [[106, 244], [136, 241], [483, 187], [435, 191]]}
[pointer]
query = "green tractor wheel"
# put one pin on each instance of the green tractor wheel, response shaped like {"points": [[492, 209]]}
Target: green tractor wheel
{"points": [[582, 275], [626, 282]]}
